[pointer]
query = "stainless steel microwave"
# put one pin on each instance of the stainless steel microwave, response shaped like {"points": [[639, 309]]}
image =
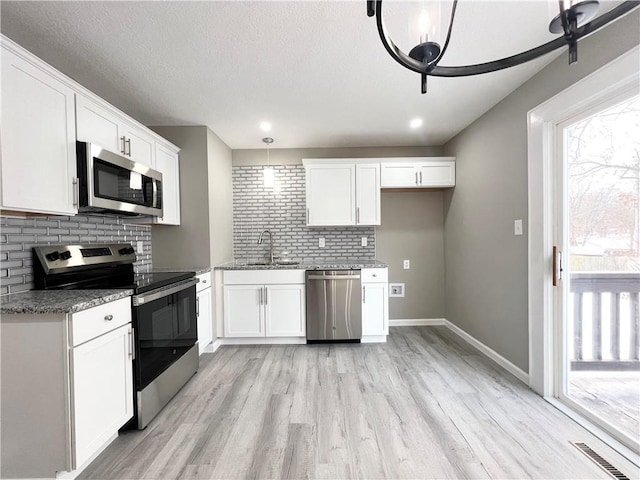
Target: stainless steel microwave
{"points": [[109, 183]]}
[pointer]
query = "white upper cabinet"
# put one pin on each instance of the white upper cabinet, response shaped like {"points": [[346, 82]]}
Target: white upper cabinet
{"points": [[167, 163], [368, 194], [342, 192], [107, 128], [420, 172], [38, 139]]}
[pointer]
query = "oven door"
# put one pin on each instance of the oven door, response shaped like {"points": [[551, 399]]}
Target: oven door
{"points": [[165, 329], [114, 183]]}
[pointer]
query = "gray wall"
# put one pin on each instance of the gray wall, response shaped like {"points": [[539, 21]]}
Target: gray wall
{"points": [[412, 229], [485, 265], [203, 238], [220, 200]]}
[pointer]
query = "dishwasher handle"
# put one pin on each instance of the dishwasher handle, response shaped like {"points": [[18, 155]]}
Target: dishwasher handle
{"points": [[333, 277]]}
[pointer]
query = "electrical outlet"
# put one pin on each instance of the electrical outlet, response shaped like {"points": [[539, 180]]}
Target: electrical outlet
{"points": [[406, 264], [396, 289], [364, 241], [139, 246], [517, 227], [321, 242]]}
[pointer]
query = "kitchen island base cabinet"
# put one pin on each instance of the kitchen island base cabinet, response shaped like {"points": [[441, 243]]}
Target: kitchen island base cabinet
{"points": [[62, 401], [275, 307]]}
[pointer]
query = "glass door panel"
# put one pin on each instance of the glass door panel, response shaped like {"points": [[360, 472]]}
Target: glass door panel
{"points": [[600, 234]]}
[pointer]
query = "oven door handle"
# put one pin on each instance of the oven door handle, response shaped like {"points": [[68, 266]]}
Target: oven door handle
{"points": [[138, 300]]}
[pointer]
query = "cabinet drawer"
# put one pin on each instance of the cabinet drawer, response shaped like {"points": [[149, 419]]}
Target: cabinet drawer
{"points": [[205, 281], [262, 277], [374, 275], [98, 320]]}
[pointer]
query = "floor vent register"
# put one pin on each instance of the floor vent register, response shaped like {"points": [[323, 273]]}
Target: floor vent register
{"points": [[601, 462]]}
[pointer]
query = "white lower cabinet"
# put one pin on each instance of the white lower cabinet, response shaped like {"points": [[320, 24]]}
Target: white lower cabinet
{"points": [[275, 307], [204, 312], [102, 390], [65, 397], [375, 302]]}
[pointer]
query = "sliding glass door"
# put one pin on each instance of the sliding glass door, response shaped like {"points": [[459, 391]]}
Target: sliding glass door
{"points": [[598, 266]]}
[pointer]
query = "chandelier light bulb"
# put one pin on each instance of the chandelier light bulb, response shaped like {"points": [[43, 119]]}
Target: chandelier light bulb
{"points": [[424, 24]]}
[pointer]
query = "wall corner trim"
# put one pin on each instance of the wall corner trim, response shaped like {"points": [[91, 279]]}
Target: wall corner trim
{"points": [[488, 352], [492, 354]]}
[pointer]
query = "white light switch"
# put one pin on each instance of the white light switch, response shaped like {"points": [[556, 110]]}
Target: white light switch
{"points": [[517, 227], [364, 241], [406, 264], [321, 242]]}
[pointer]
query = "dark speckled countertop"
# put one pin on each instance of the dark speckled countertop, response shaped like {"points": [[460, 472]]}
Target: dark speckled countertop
{"points": [[305, 265], [58, 301], [197, 270]]}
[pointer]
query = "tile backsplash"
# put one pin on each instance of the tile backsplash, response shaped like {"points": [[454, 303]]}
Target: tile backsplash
{"points": [[282, 210], [18, 235]]}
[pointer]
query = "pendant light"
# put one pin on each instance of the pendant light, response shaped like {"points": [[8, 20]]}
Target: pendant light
{"points": [[570, 22], [268, 174]]}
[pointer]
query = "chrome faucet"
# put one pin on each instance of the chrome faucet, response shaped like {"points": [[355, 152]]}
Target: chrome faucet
{"points": [[270, 243]]}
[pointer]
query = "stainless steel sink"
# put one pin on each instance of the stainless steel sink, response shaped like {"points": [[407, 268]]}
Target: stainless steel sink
{"points": [[277, 262]]}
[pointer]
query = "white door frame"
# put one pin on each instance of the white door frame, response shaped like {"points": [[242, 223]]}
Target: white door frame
{"points": [[615, 79]]}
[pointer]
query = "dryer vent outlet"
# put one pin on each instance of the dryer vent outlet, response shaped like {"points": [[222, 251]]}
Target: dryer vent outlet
{"points": [[396, 289]]}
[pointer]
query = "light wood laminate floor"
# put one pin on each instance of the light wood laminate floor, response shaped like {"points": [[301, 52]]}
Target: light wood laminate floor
{"points": [[424, 405]]}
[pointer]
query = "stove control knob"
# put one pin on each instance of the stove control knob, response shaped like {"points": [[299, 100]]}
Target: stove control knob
{"points": [[66, 255], [53, 256], [126, 251]]}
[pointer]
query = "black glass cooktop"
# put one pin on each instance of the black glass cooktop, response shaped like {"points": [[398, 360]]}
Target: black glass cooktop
{"points": [[144, 282]]}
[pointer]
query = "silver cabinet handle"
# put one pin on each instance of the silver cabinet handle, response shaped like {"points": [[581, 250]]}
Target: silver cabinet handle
{"points": [[420, 178], [260, 296], [128, 142], [416, 178], [363, 295], [266, 296], [76, 191], [132, 345], [108, 318], [197, 306], [122, 150]]}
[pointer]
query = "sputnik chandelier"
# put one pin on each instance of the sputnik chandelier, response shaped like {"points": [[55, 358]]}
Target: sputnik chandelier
{"points": [[573, 22]]}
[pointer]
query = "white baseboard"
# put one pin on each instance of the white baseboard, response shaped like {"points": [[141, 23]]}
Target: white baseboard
{"points": [[263, 341], [492, 354], [416, 322], [213, 346]]}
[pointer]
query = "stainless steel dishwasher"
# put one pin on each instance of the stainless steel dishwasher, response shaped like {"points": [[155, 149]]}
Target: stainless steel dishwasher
{"points": [[334, 306]]}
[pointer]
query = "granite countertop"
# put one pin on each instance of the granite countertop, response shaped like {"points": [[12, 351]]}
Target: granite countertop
{"points": [[198, 270], [58, 301], [307, 264]]}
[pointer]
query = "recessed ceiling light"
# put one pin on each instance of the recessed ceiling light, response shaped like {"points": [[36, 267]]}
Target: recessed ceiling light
{"points": [[415, 123], [265, 126]]}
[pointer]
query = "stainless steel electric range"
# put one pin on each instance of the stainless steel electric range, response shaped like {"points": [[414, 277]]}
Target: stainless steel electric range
{"points": [[163, 314]]}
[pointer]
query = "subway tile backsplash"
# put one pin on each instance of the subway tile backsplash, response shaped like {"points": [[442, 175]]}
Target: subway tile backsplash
{"points": [[282, 210], [18, 235]]}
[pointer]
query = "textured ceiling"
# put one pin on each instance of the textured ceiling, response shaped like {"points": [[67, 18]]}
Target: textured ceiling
{"points": [[316, 70]]}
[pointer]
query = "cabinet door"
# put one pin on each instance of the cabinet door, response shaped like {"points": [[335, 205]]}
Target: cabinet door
{"points": [[331, 195], [437, 174], [98, 125], [205, 324], [243, 311], [285, 313], [167, 163], [368, 194], [399, 175], [102, 391], [140, 145], [375, 310], [38, 140]]}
